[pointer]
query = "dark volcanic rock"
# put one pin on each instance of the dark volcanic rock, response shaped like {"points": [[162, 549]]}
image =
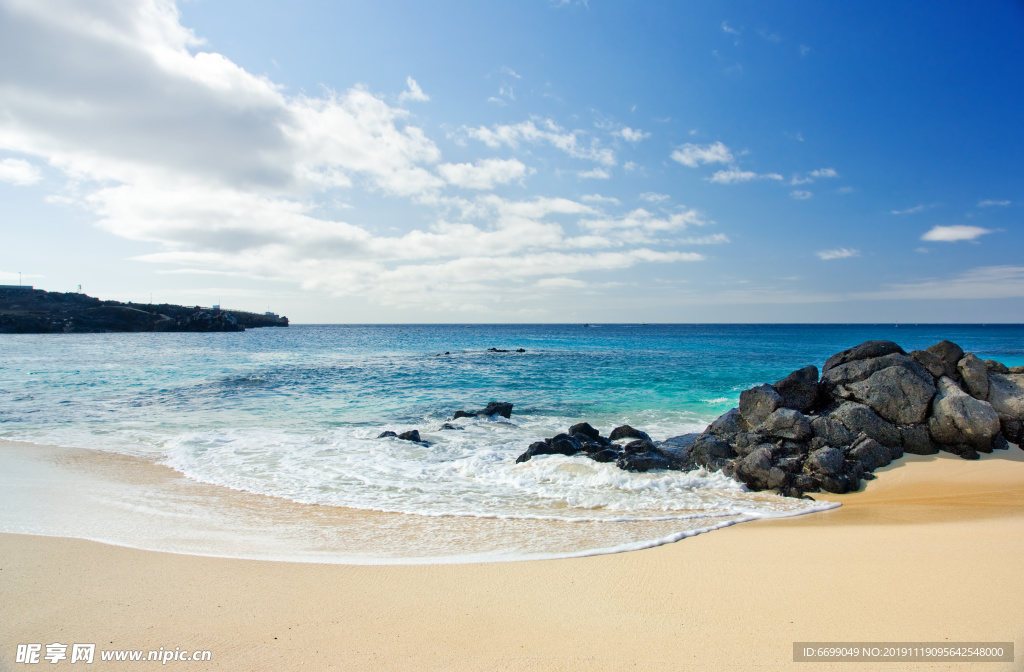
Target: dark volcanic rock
{"points": [[859, 418], [785, 423], [449, 425], [562, 444], [1006, 394], [729, 424], [799, 390], [827, 461], [950, 353], [711, 452], [895, 386], [870, 453], [974, 374], [758, 403], [931, 362], [917, 440], [832, 431], [627, 432], [585, 429], [411, 435], [958, 418], [866, 350], [758, 471], [385, 434], [996, 367], [502, 408]]}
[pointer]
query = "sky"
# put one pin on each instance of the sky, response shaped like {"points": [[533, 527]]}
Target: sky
{"points": [[519, 160]]}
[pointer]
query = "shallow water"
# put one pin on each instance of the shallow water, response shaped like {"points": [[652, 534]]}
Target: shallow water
{"points": [[292, 415]]}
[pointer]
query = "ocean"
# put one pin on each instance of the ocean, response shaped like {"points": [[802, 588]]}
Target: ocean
{"points": [[263, 444]]}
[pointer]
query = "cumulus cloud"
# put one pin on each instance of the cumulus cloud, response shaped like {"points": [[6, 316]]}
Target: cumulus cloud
{"points": [[595, 173], [801, 195], [735, 175], [543, 131], [824, 172], [414, 92], [633, 135], [839, 253], [991, 203], [226, 172], [694, 155], [485, 174], [19, 172], [652, 197], [598, 198], [951, 234]]}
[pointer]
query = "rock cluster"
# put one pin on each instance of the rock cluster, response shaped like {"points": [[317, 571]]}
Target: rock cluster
{"points": [[502, 408], [805, 433], [629, 448]]}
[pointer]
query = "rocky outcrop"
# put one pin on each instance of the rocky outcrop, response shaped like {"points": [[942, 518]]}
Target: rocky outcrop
{"points": [[34, 311], [872, 403], [502, 408]]}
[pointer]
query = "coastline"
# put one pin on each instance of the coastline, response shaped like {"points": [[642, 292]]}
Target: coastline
{"points": [[929, 551]]}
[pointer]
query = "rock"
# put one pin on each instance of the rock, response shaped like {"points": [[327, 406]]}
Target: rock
{"points": [[711, 452], [677, 442], [930, 361], [605, 455], [833, 432], [502, 408], [869, 453], [384, 435], [449, 425], [1013, 430], [758, 472], [799, 390], [638, 446], [728, 425], [859, 418], [411, 435], [1006, 394], [562, 444], [958, 418], [627, 432], [996, 367], [969, 455], [758, 403], [745, 442], [895, 386], [917, 440], [643, 461], [1000, 443], [1016, 369], [950, 353], [495, 350], [585, 429], [974, 374], [866, 350], [785, 423], [827, 461]]}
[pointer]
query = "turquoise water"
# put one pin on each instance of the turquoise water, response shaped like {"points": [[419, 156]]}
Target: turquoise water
{"points": [[294, 413]]}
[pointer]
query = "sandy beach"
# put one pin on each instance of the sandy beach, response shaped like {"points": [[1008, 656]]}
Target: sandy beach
{"points": [[930, 551]]}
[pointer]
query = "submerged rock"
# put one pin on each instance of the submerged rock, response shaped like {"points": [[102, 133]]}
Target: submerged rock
{"points": [[502, 408]]}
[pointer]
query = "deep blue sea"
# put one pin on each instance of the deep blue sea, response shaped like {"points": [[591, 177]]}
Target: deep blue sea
{"points": [[292, 416]]}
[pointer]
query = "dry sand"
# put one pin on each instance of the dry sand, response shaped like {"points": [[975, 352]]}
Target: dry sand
{"points": [[930, 551]]}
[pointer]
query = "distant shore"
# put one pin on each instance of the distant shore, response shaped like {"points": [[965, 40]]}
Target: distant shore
{"points": [[929, 551]]}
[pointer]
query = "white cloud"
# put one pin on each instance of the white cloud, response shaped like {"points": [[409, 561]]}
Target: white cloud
{"points": [[414, 92], [561, 283], [19, 172], [824, 172], [804, 50], [693, 155], [225, 171], [990, 203], [485, 174], [735, 175], [950, 234], [729, 29], [633, 135], [800, 194], [543, 131], [909, 211], [595, 173], [598, 198], [652, 197], [643, 220], [629, 166], [510, 72], [839, 253]]}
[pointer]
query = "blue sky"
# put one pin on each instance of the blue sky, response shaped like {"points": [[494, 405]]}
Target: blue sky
{"points": [[519, 161]]}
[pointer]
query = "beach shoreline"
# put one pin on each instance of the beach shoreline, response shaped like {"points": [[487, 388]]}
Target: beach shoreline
{"points": [[929, 551]]}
